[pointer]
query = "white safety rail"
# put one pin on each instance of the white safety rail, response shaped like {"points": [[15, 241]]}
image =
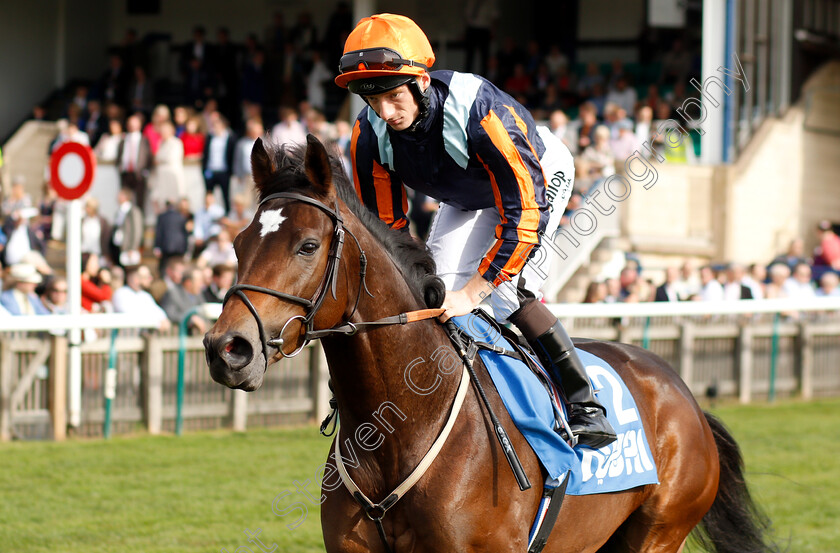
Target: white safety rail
{"points": [[691, 308], [71, 325], [742, 349], [38, 388]]}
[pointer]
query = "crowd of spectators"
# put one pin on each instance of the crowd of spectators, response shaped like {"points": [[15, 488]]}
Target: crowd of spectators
{"points": [[792, 274], [229, 93]]}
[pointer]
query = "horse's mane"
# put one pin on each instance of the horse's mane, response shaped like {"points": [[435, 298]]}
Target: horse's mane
{"points": [[412, 257]]}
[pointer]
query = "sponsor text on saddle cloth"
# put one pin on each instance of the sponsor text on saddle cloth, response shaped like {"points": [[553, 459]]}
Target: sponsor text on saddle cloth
{"points": [[621, 465]]}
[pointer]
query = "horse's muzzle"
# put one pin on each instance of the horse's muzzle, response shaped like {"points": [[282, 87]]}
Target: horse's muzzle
{"points": [[227, 356]]}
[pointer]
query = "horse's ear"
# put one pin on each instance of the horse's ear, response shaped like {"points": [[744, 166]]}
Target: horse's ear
{"points": [[317, 166], [262, 164]]}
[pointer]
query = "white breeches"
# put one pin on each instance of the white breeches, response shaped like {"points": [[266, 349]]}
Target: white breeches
{"points": [[459, 239]]}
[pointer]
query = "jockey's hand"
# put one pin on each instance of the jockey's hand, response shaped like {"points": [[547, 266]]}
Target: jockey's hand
{"points": [[463, 301]]}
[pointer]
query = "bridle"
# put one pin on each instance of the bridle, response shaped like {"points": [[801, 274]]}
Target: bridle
{"points": [[328, 282]]}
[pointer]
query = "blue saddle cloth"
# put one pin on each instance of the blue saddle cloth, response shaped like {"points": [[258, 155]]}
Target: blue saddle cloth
{"points": [[621, 465]]}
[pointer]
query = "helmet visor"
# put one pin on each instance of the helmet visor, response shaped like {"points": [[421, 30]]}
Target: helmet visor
{"points": [[374, 59]]}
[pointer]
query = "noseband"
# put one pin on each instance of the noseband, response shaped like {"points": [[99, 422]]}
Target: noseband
{"points": [[328, 281]]}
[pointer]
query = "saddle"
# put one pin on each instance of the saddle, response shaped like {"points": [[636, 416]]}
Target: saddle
{"points": [[519, 350]]}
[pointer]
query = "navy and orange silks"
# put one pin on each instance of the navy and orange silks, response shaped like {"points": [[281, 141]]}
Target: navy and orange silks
{"points": [[478, 148]]}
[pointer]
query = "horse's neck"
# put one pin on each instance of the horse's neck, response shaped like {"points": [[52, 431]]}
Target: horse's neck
{"points": [[388, 376]]}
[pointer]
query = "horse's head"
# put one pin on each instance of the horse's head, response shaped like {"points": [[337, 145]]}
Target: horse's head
{"points": [[287, 267]]}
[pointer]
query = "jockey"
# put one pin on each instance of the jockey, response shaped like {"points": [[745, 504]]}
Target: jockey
{"points": [[457, 138]]}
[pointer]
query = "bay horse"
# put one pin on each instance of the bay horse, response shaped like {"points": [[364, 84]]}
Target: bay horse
{"points": [[300, 276]]}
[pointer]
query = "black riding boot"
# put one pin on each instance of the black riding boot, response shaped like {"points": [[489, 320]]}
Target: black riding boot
{"points": [[587, 417]]}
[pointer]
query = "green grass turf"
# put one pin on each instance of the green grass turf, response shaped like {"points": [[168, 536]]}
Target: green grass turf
{"points": [[202, 491]]}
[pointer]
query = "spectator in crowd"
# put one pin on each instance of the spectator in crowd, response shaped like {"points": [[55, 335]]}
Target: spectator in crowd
{"points": [[127, 232], [585, 124], [627, 278], [519, 83], [755, 277], [171, 237], [623, 95], [220, 282], [217, 163], [167, 180], [239, 217], [669, 290], [829, 285], [827, 253], [253, 83], [197, 49], [96, 289], [181, 298], [96, 232], [140, 92], [613, 290], [68, 131], [218, 252], [18, 198], [94, 121], [317, 80], [480, 19], [242, 156], [135, 160], [599, 155], [779, 273], [676, 64], [193, 138], [289, 130], [54, 296], [798, 285], [596, 292], [590, 80], [556, 61], [711, 288], [794, 256], [180, 116], [160, 116], [22, 242], [107, 148], [132, 298], [21, 299], [735, 288], [644, 118], [625, 144], [639, 291], [114, 82], [575, 200], [558, 122], [207, 221]]}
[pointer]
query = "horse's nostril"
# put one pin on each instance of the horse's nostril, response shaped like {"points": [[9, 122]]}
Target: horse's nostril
{"points": [[236, 351]]}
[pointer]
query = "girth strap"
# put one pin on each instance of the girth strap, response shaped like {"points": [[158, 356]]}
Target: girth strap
{"points": [[375, 511]]}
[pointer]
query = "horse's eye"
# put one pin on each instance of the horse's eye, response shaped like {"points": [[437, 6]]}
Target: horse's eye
{"points": [[308, 248]]}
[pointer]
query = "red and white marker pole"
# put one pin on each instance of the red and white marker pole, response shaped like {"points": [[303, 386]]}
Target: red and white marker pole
{"points": [[72, 168]]}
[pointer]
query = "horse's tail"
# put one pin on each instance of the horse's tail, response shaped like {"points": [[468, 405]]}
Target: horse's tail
{"points": [[734, 524]]}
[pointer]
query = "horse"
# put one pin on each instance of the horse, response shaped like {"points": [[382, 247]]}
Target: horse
{"points": [[301, 277]]}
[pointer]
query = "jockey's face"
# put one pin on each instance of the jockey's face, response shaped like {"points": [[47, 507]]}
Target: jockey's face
{"points": [[398, 107]]}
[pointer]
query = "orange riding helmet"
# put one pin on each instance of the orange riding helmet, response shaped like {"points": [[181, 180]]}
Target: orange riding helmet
{"points": [[383, 52]]}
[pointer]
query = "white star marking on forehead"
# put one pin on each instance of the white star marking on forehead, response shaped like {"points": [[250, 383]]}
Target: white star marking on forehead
{"points": [[271, 221]]}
